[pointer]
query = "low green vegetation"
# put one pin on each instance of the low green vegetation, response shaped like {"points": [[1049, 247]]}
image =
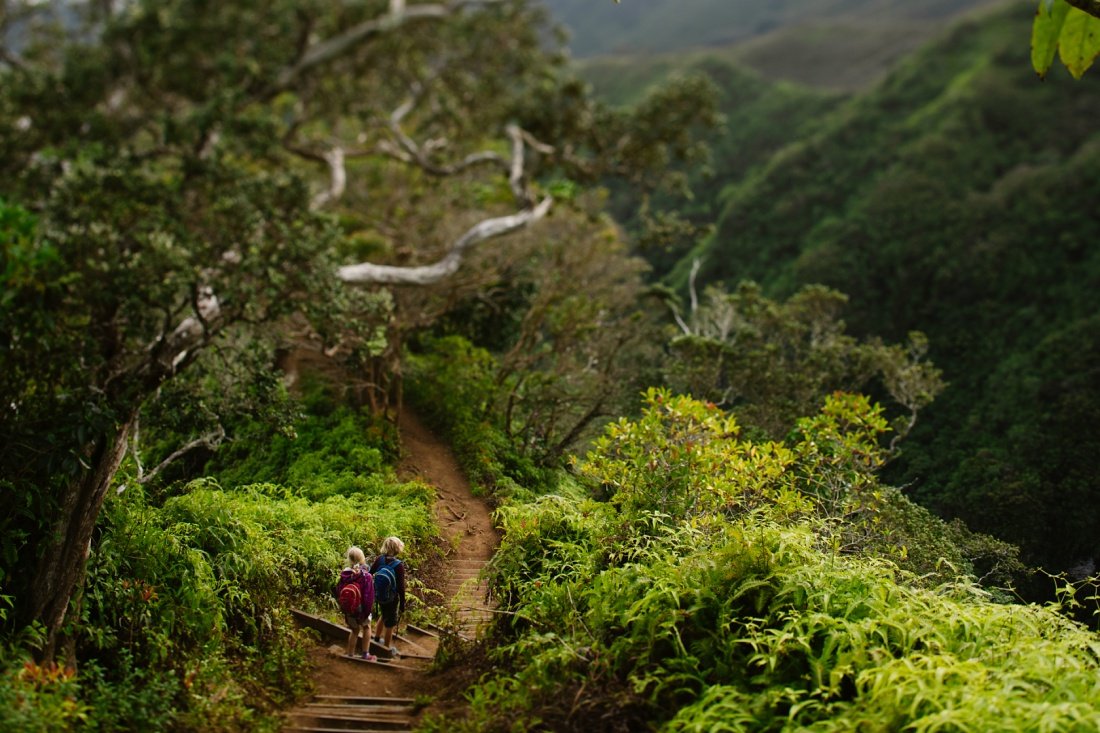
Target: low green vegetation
{"points": [[729, 585], [184, 619]]}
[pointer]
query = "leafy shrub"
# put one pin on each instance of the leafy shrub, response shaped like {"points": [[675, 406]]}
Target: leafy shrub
{"points": [[742, 616], [131, 697], [751, 627], [682, 459], [37, 698], [330, 444]]}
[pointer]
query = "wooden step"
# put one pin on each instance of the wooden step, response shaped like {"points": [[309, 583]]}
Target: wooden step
{"points": [[448, 632], [353, 714], [318, 729], [353, 700], [381, 663], [346, 723], [347, 712], [410, 642], [418, 631], [380, 708], [382, 651], [328, 630]]}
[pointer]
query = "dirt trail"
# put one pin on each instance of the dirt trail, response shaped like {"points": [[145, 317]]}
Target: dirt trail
{"points": [[466, 525]]}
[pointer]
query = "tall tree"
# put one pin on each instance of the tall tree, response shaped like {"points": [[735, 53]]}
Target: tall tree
{"points": [[177, 170]]}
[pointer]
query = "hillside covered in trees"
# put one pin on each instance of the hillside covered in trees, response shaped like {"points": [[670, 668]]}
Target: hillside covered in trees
{"points": [[954, 198], [678, 25], [239, 239]]}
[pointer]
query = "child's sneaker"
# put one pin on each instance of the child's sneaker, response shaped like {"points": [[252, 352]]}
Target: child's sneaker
{"points": [[394, 654], [369, 657]]}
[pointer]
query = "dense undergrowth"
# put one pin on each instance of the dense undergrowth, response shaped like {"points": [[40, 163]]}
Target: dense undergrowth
{"points": [[451, 384], [727, 585], [184, 621]]}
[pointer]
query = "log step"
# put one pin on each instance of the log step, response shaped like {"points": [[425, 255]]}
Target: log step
{"points": [[316, 729], [419, 631], [381, 663], [348, 714], [352, 700]]}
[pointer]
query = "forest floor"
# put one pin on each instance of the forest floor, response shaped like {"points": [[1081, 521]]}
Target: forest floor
{"points": [[470, 540]]}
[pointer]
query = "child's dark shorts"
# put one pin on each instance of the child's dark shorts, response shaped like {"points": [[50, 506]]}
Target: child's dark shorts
{"points": [[389, 614]]}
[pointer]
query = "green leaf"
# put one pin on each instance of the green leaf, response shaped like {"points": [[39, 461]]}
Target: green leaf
{"points": [[1049, 19], [1079, 42]]}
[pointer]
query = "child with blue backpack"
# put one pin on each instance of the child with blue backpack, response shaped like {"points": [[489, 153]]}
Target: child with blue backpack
{"points": [[389, 586], [355, 596]]}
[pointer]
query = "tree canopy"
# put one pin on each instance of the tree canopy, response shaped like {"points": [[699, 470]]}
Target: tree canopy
{"points": [[179, 178]]}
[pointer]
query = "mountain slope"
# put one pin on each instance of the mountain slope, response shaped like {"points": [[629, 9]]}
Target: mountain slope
{"points": [[645, 26], [958, 198]]}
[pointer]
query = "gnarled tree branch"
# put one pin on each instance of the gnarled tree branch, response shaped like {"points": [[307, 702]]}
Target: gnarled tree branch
{"points": [[338, 178], [211, 440], [369, 273]]}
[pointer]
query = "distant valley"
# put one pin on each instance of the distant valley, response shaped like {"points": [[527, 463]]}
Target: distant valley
{"points": [[831, 44]]}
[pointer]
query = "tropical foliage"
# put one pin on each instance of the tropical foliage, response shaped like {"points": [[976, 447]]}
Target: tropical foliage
{"points": [[773, 362], [943, 201], [691, 604], [183, 617], [234, 240]]}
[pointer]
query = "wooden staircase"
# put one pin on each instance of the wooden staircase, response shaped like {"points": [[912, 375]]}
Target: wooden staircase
{"points": [[343, 714], [416, 651], [468, 592]]}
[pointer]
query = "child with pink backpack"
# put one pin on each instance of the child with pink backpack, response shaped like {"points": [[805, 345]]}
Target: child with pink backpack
{"points": [[355, 595]]}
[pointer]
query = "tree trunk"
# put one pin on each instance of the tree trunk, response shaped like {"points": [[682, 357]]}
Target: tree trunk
{"points": [[60, 568]]}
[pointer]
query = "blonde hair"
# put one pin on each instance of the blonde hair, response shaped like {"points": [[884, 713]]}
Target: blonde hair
{"points": [[356, 557], [392, 546]]}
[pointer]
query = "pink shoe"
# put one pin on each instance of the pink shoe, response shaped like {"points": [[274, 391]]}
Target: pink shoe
{"points": [[369, 657]]}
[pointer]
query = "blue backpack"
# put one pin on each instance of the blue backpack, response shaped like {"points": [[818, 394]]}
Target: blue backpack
{"points": [[385, 581]]}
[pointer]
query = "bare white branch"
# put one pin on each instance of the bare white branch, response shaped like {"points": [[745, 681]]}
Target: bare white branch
{"points": [[516, 177], [211, 440], [338, 178], [369, 273], [408, 151], [680, 321], [192, 331], [696, 264], [135, 442]]}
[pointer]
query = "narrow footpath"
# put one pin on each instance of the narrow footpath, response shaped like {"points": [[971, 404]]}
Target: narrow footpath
{"points": [[390, 695]]}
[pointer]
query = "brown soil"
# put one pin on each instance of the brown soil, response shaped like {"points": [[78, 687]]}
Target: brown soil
{"points": [[470, 538]]}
